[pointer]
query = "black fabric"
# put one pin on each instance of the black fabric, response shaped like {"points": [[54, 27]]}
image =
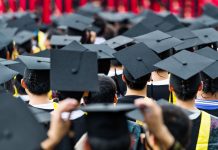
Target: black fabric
{"points": [[121, 86], [213, 112], [159, 92], [128, 99], [194, 134]]}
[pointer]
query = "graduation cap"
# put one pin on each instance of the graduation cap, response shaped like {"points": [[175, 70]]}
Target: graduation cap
{"points": [[212, 70], [118, 42], [35, 63], [6, 62], [189, 39], [76, 23], [6, 74], [18, 122], [45, 53], [185, 64], [208, 35], [59, 41], [74, 46], [210, 10], [115, 17], [138, 59], [207, 21], [197, 25], [69, 70], [159, 41], [145, 13], [23, 37], [25, 22], [9, 32], [5, 41], [103, 51], [89, 10], [106, 121]]}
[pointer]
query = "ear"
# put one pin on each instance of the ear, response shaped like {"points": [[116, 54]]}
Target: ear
{"points": [[123, 78], [200, 87], [23, 84], [115, 99], [171, 89]]}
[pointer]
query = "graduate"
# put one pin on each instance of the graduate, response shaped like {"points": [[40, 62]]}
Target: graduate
{"points": [[185, 82], [207, 98], [136, 76]]}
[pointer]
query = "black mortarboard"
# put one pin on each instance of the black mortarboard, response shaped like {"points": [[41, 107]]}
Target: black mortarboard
{"points": [[35, 63], [6, 62], [89, 10], [25, 22], [211, 10], [74, 46], [103, 51], [185, 64], [6, 74], [212, 70], [116, 17], [69, 70], [45, 53], [5, 41], [9, 32], [23, 37], [142, 15], [106, 121], [208, 35], [59, 41], [189, 39], [118, 41], [137, 30], [138, 59], [207, 21], [22, 125], [76, 23], [19, 67], [159, 41]]}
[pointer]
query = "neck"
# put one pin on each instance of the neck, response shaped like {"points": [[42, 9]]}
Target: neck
{"points": [[137, 92], [37, 100], [208, 96], [188, 104], [159, 75]]}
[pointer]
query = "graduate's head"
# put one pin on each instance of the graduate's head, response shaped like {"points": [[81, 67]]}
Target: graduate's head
{"points": [[178, 125], [135, 84], [209, 85], [185, 90], [106, 93], [107, 126], [36, 82]]}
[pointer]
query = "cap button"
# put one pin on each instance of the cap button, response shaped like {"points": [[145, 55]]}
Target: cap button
{"points": [[74, 71], [114, 42], [139, 58], [205, 36], [7, 134], [100, 50], [184, 63], [158, 41], [65, 39]]}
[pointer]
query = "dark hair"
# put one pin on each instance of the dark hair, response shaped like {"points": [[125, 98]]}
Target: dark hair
{"points": [[37, 81], [106, 93], [136, 84], [104, 66], [185, 89], [121, 143], [25, 47], [209, 85], [61, 95], [177, 123]]}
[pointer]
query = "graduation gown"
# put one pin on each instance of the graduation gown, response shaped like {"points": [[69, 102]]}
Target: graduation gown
{"points": [[128, 99], [209, 106], [204, 131]]}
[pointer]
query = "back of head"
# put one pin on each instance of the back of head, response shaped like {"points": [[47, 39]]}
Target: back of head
{"points": [[209, 85], [106, 93], [69, 94], [185, 89], [136, 84], [177, 123], [37, 81]]}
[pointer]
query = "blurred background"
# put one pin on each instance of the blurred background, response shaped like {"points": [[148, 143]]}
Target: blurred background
{"points": [[47, 8]]}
